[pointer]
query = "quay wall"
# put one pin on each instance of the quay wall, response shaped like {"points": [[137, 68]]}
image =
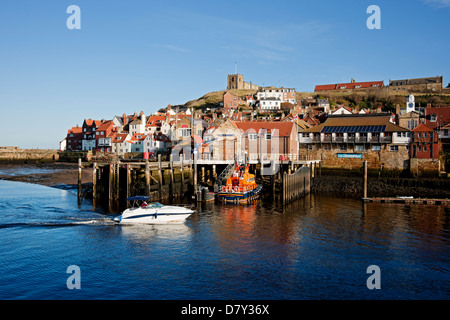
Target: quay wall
{"points": [[352, 185], [382, 160], [17, 155]]}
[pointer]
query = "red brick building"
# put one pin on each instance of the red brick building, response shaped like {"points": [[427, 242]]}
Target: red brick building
{"points": [[104, 136], [74, 139], [424, 143], [232, 101]]}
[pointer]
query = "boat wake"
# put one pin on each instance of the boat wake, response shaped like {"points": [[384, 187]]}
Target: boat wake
{"points": [[52, 224]]}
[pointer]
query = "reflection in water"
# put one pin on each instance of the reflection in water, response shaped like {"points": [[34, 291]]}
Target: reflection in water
{"points": [[316, 248]]}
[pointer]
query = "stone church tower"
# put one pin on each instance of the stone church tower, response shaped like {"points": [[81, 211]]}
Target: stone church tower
{"points": [[236, 82]]}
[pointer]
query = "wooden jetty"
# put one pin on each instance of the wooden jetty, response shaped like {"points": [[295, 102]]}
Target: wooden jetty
{"points": [[114, 181], [119, 180], [407, 200]]}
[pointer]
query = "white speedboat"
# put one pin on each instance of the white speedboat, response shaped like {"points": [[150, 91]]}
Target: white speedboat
{"points": [[152, 213]]}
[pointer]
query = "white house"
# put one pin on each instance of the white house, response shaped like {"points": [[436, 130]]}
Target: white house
{"points": [[137, 142], [283, 94], [138, 125], [121, 144], [271, 103], [156, 141], [63, 145], [167, 129]]}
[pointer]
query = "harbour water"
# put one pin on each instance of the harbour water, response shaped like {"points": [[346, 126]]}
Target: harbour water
{"points": [[318, 247]]}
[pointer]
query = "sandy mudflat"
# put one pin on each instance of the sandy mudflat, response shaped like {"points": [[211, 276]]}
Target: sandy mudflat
{"points": [[48, 174]]}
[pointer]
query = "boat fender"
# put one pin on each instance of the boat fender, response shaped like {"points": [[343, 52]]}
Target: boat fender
{"points": [[236, 189], [156, 215], [223, 188]]}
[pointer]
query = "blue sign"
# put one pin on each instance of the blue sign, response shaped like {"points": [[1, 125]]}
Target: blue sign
{"points": [[350, 155]]}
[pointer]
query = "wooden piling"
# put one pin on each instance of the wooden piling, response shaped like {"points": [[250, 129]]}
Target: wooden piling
{"points": [[365, 180], [147, 178], [110, 182], [94, 181], [172, 178], [182, 177], [80, 190], [160, 177], [128, 180]]}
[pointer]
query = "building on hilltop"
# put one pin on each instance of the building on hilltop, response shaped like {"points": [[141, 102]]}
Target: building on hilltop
{"points": [[236, 82], [431, 84], [350, 87]]}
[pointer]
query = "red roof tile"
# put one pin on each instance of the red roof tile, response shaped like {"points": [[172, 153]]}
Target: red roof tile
{"points": [[284, 128], [422, 128]]}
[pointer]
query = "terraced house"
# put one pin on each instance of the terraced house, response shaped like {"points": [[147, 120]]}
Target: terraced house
{"points": [[347, 140]]}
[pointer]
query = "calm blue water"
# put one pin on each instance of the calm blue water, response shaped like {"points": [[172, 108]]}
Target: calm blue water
{"points": [[318, 248]]}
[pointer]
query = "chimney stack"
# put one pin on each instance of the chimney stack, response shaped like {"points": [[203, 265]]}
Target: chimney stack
{"points": [[124, 119]]}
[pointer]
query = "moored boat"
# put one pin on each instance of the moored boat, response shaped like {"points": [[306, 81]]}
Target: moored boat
{"points": [[241, 187]]}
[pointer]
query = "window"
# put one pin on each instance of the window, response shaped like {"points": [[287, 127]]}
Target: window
{"points": [[376, 148], [433, 118], [393, 148], [343, 147], [305, 135], [359, 147], [185, 132], [268, 136], [252, 136], [424, 148]]}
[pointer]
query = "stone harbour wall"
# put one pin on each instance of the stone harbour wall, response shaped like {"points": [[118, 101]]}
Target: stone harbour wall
{"points": [[14, 154]]}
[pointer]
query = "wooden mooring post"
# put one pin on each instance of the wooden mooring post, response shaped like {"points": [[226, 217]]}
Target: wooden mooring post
{"points": [[80, 188], [365, 180]]}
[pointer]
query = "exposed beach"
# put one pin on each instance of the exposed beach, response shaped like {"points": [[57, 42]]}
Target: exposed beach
{"points": [[54, 174]]}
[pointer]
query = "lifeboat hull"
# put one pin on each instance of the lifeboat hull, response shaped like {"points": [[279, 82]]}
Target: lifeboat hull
{"points": [[240, 197]]}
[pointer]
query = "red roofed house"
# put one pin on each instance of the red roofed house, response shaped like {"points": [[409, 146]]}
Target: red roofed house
{"points": [[104, 135], [424, 142], [74, 138], [437, 117], [271, 140], [351, 86], [154, 123], [137, 142], [121, 144], [89, 127]]}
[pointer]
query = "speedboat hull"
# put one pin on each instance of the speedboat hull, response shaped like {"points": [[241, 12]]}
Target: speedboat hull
{"points": [[162, 215]]}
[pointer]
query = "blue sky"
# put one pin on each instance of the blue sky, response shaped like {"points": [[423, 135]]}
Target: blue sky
{"points": [[143, 55]]}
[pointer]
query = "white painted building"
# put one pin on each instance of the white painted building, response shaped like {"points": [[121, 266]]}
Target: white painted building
{"points": [[121, 144], [267, 104], [137, 125], [283, 94], [155, 142]]}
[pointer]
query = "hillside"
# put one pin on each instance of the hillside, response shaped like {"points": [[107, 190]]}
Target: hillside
{"points": [[215, 97], [369, 100]]}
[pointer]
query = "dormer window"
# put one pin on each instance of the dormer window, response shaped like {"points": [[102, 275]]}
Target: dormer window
{"points": [[433, 118]]}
